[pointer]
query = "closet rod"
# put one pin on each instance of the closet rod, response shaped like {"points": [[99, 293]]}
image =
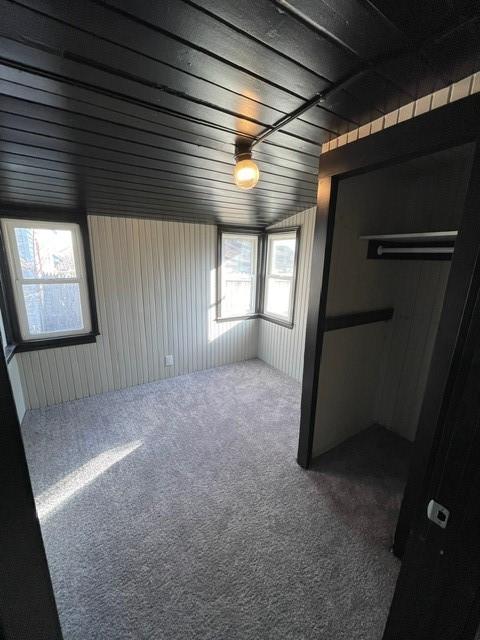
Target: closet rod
{"points": [[381, 250]]}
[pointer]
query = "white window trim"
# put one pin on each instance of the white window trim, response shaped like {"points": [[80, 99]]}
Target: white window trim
{"points": [[253, 277], [8, 227], [271, 236]]}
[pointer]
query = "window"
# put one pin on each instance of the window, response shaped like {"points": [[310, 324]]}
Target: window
{"points": [[257, 274], [48, 279], [280, 274], [238, 274]]}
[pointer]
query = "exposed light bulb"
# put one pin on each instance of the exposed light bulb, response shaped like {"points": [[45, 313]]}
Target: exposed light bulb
{"points": [[246, 172]]}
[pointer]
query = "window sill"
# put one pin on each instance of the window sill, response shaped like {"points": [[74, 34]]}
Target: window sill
{"points": [[281, 323], [50, 343], [234, 318], [261, 316]]}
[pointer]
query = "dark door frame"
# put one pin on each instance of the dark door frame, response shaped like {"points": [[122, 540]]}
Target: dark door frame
{"points": [[27, 604], [447, 127], [438, 589]]}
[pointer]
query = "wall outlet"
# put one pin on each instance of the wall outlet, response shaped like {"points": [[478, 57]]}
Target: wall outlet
{"points": [[169, 361]]}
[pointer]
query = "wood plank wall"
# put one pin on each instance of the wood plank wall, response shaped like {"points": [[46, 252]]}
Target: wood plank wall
{"points": [[377, 373], [278, 346], [155, 288]]}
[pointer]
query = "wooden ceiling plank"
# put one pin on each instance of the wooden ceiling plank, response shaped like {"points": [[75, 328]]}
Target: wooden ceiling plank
{"points": [[353, 24], [126, 61], [42, 181], [190, 144], [129, 116], [458, 55], [268, 24], [238, 197], [79, 75], [37, 156], [12, 184], [420, 21], [17, 129], [66, 125], [128, 89], [146, 203], [197, 29], [154, 32]]}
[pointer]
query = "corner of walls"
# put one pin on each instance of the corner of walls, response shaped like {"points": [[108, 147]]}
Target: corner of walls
{"points": [[15, 374], [279, 346], [155, 287]]}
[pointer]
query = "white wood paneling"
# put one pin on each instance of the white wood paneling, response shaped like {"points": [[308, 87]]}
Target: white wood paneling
{"points": [[280, 347], [347, 383], [377, 373], [155, 290]]}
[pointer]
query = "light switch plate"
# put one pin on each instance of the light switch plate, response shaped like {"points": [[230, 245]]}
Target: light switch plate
{"points": [[169, 361]]}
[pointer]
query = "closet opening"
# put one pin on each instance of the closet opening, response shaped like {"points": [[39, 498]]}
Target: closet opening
{"points": [[393, 242]]}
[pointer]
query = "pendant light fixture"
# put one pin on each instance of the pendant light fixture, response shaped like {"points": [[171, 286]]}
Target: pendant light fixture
{"points": [[245, 173]]}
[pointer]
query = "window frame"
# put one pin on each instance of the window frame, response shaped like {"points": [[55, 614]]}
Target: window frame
{"points": [[290, 231], [262, 239], [14, 340], [238, 231]]}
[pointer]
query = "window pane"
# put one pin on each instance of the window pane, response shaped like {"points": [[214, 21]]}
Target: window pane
{"points": [[45, 253], [283, 256], [237, 297], [53, 307], [278, 297], [239, 264], [239, 255]]}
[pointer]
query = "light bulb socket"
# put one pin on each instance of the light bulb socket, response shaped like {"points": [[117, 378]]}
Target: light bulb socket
{"points": [[242, 152]]}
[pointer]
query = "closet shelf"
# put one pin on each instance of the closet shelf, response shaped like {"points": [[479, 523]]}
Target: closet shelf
{"points": [[430, 236]]}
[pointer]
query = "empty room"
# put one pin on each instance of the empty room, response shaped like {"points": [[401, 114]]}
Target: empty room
{"points": [[240, 320]]}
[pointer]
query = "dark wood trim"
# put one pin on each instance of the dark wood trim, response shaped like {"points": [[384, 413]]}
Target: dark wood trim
{"points": [[218, 276], [221, 229], [15, 342], [51, 343], [320, 269], [345, 320], [283, 229], [9, 352], [261, 274], [438, 589], [27, 603], [450, 126], [261, 267], [373, 245], [445, 360], [254, 231], [282, 323]]}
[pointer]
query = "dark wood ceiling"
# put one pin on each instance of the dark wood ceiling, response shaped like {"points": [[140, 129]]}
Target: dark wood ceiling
{"points": [[133, 107]]}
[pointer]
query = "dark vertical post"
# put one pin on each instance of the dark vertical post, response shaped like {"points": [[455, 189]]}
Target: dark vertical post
{"points": [[445, 357], [27, 605], [322, 248], [438, 589]]}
